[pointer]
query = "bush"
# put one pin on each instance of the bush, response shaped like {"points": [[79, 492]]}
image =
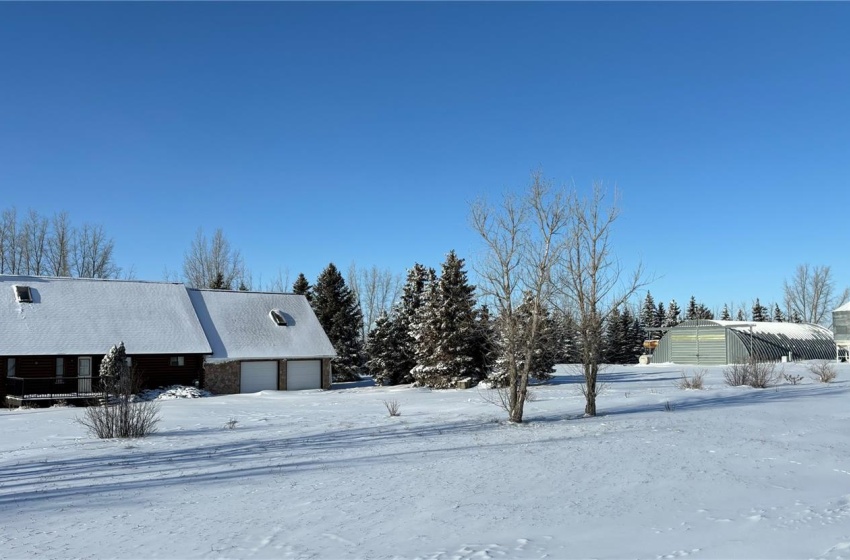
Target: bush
{"points": [[118, 415], [753, 373], [693, 382], [393, 408], [791, 378], [823, 371]]}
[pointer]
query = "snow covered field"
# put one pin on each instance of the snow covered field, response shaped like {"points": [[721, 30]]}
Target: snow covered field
{"points": [[730, 472]]}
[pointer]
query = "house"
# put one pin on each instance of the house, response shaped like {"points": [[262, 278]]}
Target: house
{"points": [[55, 331], [262, 341]]}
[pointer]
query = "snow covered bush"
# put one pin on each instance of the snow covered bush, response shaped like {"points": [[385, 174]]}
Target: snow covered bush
{"points": [[791, 378], [119, 415], [823, 371]]}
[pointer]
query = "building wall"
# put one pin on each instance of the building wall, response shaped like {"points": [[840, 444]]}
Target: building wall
{"points": [[222, 378], [693, 344]]}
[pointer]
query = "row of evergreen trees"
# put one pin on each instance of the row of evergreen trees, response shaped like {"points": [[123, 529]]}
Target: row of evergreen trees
{"points": [[436, 335]]}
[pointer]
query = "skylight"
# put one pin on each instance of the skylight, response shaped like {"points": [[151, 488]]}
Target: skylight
{"points": [[23, 294], [277, 317]]}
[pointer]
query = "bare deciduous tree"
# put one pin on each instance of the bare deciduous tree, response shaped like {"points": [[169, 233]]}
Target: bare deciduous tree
{"points": [[811, 294], [212, 262], [91, 253], [34, 234], [376, 291], [523, 240], [592, 280], [10, 243], [59, 245]]}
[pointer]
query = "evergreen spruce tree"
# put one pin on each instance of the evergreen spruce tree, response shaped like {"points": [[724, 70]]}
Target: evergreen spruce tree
{"points": [[724, 315], [615, 338], [660, 316], [740, 316], [418, 279], [302, 287], [778, 316], [242, 286], [674, 315], [385, 349], [545, 351], [484, 340], [446, 342], [704, 312], [759, 312], [795, 317], [634, 338], [692, 312], [339, 314], [648, 315], [565, 338], [218, 282]]}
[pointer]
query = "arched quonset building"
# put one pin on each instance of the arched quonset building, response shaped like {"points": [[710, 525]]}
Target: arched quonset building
{"points": [[706, 342], [841, 326]]}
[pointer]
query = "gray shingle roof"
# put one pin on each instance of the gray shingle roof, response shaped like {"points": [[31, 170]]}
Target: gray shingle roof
{"points": [[239, 325], [73, 316]]}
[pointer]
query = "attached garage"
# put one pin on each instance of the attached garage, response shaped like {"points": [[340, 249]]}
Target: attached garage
{"points": [[262, 341], [258, 376], [303, 374]]}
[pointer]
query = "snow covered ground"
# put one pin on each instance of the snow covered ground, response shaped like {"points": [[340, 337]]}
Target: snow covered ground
{"points": [[730, 472]]}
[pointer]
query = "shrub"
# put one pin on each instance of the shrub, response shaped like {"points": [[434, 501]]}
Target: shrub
{"points": [[823, 371], [754, 373], [393, 408], [693, 382], [791, 378], [118, 415]]}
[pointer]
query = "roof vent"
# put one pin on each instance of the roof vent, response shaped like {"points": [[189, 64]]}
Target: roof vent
{"points": [[23, 294], [277, 317]]}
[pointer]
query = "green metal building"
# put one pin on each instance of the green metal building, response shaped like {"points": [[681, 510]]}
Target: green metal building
{"points": [[704, 342], [841, 326]]}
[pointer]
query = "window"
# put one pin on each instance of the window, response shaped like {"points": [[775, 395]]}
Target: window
{"points": [[10, 367], [128, 361], [278, 317], [177, 360], [60, 370], [23, 294]]}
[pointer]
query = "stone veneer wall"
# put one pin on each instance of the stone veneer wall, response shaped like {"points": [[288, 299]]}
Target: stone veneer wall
{"points": [[222, 378]]}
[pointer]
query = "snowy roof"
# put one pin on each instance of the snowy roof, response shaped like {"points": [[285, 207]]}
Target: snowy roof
{"points": [[75, 316], [798, 331], [845, 307], [239, 325]]}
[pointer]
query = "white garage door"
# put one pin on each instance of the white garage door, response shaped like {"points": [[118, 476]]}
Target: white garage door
{"points": [[258, 376], [303, 374]]}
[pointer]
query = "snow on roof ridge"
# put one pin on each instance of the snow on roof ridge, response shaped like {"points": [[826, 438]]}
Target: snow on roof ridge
{"points": [[24, 277]]}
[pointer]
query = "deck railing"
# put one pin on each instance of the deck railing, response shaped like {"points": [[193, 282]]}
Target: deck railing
{"points": [[32, 388]]}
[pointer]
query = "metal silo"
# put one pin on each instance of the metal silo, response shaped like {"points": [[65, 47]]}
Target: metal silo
{"points": [[841, 329]]}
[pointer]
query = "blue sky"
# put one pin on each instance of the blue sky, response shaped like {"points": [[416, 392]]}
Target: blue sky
{"points": [[360, 132]]}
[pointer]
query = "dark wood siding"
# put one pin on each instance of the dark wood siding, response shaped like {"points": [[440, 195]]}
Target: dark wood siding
{"points": [[157, 371]]}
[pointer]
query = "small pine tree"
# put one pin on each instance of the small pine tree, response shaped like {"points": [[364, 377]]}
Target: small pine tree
{"points": [[778, 316], [692, 312], [740, 316], [242, 286], [412, 298], [725, 315], [218, 282], [302, 287], [648, 315], [385, 351], [339, 314], [673, 314], [565, 335], [544, 348], [795, 317], [759, 312], [660, 316], [704, 312]]}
